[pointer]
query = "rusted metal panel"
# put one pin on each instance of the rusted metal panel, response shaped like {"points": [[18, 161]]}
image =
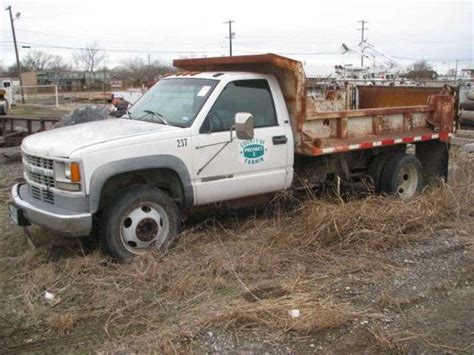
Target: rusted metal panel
{"points": [[442, 113], [369, 112], [333, 101], [394, 96], [331, 146], [407, 121], [233, 63], [322, 128]]}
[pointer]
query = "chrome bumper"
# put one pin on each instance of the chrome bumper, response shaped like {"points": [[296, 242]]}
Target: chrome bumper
{"points": [[58, 220]]}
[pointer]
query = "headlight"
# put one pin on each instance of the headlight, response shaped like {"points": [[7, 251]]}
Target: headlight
{"points": [[67, 176], [67, 170]]}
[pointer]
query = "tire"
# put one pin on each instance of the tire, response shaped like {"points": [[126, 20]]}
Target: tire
{"points": [[468, 106], [467, 122], [139, 220], [376, 167], [402, 176]]}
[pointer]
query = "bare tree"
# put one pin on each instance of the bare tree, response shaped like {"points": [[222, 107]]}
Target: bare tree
{"points": [[41, 61], [422, 70], [422, 65], [89, 58], [138, 72], [37, 60], [58, 64]]}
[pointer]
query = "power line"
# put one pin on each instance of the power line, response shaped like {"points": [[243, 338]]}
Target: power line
{"points": [[95, 39], [52, 46], [147, 51]]}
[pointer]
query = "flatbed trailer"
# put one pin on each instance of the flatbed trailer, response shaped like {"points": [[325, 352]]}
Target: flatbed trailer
{"points": [[14, 128]]}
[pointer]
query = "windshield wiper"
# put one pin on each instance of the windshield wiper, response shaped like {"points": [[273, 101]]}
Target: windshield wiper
{"points": [[157, 114]]}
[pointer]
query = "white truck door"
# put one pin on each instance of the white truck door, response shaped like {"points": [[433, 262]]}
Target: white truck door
{"points": [[224, 171]]}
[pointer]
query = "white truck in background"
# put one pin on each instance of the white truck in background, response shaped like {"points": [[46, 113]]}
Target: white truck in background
{"points": [[225, 128]]}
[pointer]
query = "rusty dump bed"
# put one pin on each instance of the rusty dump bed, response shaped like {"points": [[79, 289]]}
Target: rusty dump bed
{"points": [[335, 122]]}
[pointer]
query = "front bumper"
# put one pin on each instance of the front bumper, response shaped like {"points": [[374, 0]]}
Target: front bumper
{"points": [[51, 217]]}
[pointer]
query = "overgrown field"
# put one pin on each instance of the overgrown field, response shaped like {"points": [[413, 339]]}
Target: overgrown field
{"points": [[348, 266]]}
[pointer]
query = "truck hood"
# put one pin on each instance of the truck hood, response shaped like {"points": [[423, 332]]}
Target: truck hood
{"points": [[62, 142]]}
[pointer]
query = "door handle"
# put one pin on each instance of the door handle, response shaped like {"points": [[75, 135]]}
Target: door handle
{"points": [[279, 140]]}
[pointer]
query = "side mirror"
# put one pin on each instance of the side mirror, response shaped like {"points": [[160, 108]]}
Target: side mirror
{"points": [[244, 124]]}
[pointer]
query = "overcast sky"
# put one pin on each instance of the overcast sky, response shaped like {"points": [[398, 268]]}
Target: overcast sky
{"points": [[312, 31]]}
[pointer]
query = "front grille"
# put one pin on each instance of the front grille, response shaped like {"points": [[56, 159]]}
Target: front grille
{"points": [[39, 162], [40, 174], [42, 194], [40, 179]]}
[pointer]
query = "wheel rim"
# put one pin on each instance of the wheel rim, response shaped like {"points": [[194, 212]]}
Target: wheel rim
{"points": [[407, 181], [144, 227]]}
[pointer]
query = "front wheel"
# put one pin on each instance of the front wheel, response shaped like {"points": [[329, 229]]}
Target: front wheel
{"points": [[139, 220]]}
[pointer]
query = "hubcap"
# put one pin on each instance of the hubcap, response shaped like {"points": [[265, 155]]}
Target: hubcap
{"points": [[407, 181], [144, 227]]}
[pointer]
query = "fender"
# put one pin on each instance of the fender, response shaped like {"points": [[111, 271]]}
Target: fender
{"points": [[106, 171]]}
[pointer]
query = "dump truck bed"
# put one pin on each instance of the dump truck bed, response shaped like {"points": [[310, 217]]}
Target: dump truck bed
{"points": [[334, 123]]}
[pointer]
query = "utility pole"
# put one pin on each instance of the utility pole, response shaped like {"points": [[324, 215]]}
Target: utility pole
{"points": [[149, 59], [231, 36], [18, 65], [362, 38], [103, 82], [456, 72]]}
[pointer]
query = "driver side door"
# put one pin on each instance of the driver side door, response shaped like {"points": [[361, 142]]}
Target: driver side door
{"points": [[225, 170]]}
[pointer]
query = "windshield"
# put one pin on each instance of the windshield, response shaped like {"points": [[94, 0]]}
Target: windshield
{"points": [[173, 101]]}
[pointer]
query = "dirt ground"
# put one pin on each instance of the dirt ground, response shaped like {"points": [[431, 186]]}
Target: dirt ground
{"points": [[373, 275]]}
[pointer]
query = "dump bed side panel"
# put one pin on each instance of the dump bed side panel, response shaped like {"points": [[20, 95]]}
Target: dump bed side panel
{"points": [[335, 131], [393, 96]]}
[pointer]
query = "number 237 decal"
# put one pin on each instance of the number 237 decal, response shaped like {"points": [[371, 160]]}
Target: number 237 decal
{"points": [[182, 142]]}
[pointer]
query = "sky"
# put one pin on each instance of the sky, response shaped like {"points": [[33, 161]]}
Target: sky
{"points": [[311, 31]]}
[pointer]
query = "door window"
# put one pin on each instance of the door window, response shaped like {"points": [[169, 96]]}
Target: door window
{"points": [[253, 96]]}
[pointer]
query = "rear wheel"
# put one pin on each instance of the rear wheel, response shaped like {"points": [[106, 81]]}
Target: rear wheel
{"points": [[402, 176], [140, 220], [376, 167]]}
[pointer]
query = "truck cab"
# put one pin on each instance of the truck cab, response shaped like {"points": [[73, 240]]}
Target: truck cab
{"points": [[178, 143]]}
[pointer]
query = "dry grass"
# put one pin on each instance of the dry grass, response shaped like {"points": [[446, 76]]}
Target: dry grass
{"points": [[230, 274], [383, 341], [316, 314], [61, 322]]}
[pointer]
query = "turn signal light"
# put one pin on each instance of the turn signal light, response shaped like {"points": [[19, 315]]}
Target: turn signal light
{"points": [[75, 172]]}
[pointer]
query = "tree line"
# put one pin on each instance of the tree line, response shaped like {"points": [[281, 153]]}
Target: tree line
{"points": [[91, 59]]}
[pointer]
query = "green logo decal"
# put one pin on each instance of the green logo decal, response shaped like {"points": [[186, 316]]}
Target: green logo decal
{"points": [[253, 151]]}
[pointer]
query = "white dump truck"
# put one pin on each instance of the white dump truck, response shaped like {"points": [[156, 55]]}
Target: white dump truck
{"points": [[222, 129]]}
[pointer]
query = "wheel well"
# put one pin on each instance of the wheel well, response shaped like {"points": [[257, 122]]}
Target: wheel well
{"points": [[166, 179]]}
